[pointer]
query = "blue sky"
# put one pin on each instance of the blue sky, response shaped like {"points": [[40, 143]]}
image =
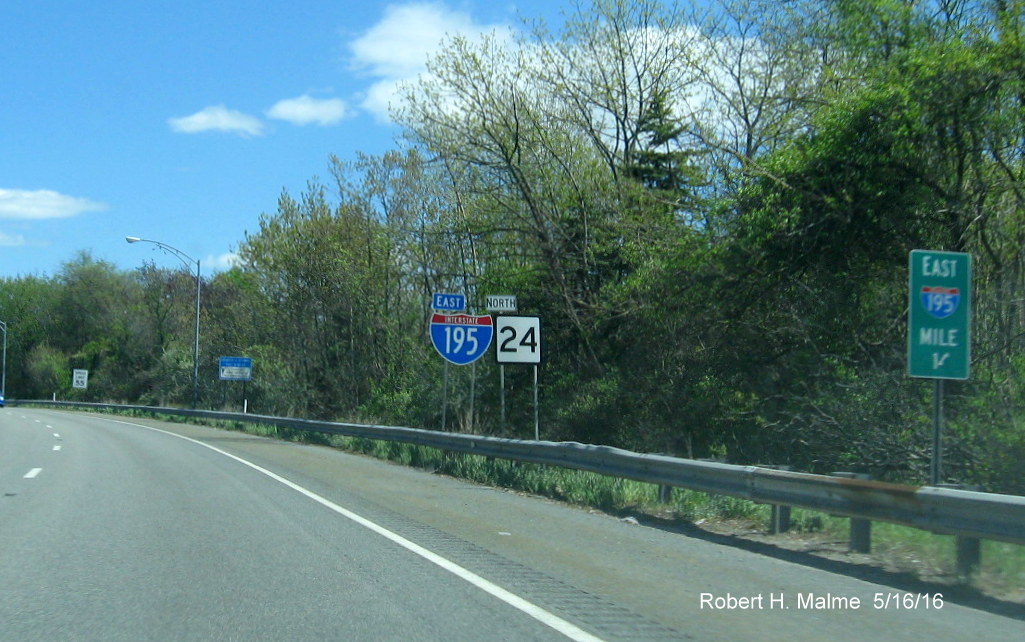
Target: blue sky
{"points": [[183, 121]]}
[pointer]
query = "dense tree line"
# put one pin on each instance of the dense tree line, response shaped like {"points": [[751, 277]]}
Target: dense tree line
{"points": [[711, 209]]}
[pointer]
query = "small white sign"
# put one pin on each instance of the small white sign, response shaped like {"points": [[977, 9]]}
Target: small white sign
{"points": [[80, 379], [500, 303], [518, 339]]}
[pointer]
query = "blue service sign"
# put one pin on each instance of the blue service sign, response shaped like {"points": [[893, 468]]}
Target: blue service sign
{"points": [[454, 302], [461, 338], [235, 368]]}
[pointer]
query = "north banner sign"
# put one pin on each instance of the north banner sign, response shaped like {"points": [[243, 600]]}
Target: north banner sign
{"points": [[461, 338], [500, 303], [939, 314]]}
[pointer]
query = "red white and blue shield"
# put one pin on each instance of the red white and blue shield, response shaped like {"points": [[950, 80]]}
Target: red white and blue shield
{"points": [[940, 302], [461, 338]]}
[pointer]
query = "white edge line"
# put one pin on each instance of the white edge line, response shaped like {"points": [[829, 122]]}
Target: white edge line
{"points": [[543, 616], [32, 473]]}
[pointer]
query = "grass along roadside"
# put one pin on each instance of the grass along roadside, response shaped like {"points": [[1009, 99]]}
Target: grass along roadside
{"points": [[901, 550], [897, 549]]}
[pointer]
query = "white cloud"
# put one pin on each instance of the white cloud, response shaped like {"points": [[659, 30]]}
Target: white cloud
{"points": [[7, 240], [306, 110], [379, 98], [397, 48], [43, 204], [218, 118], [222, 262]]}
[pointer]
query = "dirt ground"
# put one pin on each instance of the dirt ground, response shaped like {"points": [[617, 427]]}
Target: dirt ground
{"points": [[902, 569], [907, 570]]}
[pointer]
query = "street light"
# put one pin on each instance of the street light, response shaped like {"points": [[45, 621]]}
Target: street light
{"points": [[188, 261], [3, 380]]}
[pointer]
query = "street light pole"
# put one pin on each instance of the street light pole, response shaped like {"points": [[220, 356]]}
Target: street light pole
{"points": [[3, 379], [188, 261]]}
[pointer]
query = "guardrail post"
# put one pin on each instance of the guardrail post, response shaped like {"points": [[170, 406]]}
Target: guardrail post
{"points": [[861, 529], [665, 494], [969, 557], [779, 519], [861, 535], [969, 549]]}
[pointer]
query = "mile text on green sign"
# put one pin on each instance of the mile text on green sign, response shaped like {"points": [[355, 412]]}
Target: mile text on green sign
{"points": [[939, 314]]}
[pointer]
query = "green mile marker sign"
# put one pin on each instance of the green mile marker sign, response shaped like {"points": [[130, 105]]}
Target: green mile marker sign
{"points": [[939, 314]]}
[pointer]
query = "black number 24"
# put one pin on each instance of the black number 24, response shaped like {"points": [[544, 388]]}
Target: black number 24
{"points": [[529, 340]]}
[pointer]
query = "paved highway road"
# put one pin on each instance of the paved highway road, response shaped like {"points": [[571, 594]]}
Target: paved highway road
{"points": [[114, 529]]}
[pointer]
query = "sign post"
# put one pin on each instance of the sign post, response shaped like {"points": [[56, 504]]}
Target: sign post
{"points": [[237, 369], [501, 303], [519, 341], [939, 328], [459, 338]]}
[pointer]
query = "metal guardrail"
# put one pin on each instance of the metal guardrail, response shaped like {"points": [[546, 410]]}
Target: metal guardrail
{"points": [[966, 514]]}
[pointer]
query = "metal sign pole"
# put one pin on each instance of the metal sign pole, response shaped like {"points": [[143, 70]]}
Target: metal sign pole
{"points": [[444, 399], [537, 418], [519, 341], [3, 380], [473, 393], [459, 338], [501, 394], [939, 329], [937, 434]]}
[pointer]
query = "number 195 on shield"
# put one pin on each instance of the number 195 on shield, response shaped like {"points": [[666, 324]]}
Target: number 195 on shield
{"points": [[461, 338]]}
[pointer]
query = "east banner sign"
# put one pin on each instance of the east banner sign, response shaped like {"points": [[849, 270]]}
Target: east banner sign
{"points": [[939, 315], [451, 302]]}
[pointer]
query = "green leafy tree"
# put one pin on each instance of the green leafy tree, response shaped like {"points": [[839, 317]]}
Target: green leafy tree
{"points": [[26, 305]]}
